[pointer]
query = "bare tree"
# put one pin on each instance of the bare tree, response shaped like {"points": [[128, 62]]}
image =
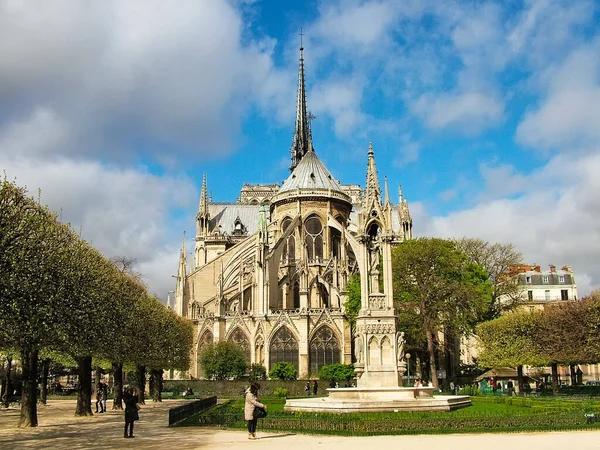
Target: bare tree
{"points": [[497, 260], [128, 265]]}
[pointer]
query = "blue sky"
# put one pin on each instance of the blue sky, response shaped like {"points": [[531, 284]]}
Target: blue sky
{"points": [[487, 114]]}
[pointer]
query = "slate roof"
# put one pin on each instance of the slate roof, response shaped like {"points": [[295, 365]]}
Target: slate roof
{"points": [[225, 214], [310, 173]]}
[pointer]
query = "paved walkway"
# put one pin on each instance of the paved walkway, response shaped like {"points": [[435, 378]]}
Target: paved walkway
{"points": [[59, 429]]}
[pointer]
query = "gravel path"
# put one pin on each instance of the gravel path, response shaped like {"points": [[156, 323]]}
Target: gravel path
{"points": [[59, 429]]}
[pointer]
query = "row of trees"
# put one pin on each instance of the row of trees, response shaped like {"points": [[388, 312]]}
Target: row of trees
{"points": [[58, 295], [560, 334]]}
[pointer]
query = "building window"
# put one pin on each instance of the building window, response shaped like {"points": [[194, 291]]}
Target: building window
{"points": [[528, 279], [239, 338], [289, 250], [284, 347], [324, 349], [529, 295], [545, 279], [564, 294], [314, 238], [561, 278], [205, 340], [547, 294]]}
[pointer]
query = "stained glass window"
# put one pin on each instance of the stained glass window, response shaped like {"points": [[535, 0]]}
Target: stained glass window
{"points": [[205, 339], [239, 338], [284, 347], [324, 349]]}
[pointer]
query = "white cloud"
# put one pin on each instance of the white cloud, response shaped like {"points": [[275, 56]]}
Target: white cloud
{"points": [[557, 220], [339, 99], [120, 211], [470, 112], [569, 114], [124, 71], [40, 134]]}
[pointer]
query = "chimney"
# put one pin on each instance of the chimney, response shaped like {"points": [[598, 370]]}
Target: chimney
{"points": [[566, 268], [552, 268], [537, 268]]}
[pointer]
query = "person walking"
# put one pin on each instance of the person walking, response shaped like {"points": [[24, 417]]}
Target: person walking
{"points": [[251, 404], [131, 410], [99, 398], [104, 395], [315, 388], [307, 388]]}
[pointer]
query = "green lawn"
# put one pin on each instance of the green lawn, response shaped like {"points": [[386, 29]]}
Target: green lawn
{"points": [[488, 414]]}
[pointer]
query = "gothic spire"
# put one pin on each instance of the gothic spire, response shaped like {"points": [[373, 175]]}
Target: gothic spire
{"points": [[372, 191], [203, 206], [386, 200], [302, 140]]}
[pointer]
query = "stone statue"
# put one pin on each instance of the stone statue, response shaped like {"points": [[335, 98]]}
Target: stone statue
{"points": [[400, 343], [358, 348]]}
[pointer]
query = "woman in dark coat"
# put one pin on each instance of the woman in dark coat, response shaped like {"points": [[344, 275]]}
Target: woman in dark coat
{"points": [[131, 410]]}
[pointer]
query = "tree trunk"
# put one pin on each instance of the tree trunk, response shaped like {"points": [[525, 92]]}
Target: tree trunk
{"points": [[156, 384], [84, 395], [8, 385], [117, 369], [29, 360], [432, 364], [520, 379], [555, 378], [97, 376], [141, 382], [44, 387], [573, 375]]}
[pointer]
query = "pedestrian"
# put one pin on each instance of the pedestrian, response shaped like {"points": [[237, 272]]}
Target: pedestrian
{"points": [[251, 404], [104, 395], [315, 388], [131, 410], [307, 388], [99, 398], [510, 387]]}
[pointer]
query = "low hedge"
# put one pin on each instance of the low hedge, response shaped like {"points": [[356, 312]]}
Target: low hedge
{"points": [[230, 389], [483, 417]]}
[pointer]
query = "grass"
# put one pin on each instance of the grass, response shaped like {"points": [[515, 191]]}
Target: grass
{"points": [[488, 414]]}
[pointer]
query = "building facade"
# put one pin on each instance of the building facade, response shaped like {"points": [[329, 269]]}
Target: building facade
{"points": [[540, 287], [269, 271]]}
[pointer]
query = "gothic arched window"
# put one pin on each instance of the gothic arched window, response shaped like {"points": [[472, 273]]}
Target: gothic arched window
{"points": [[314, 238], [324, 349], [205, 340], [284, 347], [239, 338], [259, 350], [289, 250]]}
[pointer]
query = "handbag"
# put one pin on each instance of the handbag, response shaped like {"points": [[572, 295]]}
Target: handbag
{"points": [[259, 412]]}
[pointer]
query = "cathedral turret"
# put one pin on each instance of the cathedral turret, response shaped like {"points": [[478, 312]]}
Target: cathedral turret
{"points": [[203, 215], [181, 279], [371, 207], [302, 141], [202, 226]]}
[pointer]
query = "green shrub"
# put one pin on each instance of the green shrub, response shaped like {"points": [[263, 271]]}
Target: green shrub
{"points": [[469, 389], [223, 360], [336, 372], [283, 371], [280, 392], [258, 372]]}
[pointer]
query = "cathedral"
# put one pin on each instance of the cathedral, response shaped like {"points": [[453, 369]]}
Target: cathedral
{"points": [[269, 271]]}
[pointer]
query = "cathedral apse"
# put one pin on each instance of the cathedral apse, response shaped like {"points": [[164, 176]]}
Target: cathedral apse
{"points": [[269, 270]]}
